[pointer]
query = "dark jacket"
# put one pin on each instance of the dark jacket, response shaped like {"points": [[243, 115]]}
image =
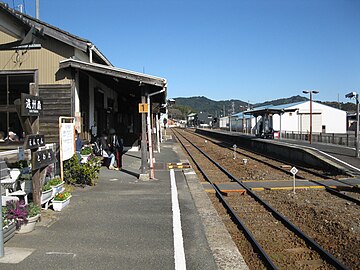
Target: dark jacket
{"points": [[115, 144]]}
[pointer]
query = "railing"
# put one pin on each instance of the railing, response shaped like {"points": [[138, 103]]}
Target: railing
{"points": [[347, 139]]}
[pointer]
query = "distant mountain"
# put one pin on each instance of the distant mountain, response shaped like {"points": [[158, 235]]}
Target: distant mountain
{"points": [[226, 107], [215, 108], [282, 101]]}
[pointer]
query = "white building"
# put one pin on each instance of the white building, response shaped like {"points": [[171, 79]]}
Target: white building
{"points": [[294, 117], [325, 119]]}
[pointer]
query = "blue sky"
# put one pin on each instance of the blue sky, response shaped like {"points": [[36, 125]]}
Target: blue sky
{"points": [[253, 50]]}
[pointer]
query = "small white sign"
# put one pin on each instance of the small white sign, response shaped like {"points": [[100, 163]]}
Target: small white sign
{"points": [[68, 140], [294, 170]]}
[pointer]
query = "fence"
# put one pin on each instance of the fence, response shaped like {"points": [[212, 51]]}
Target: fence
{"points": [[347, 139]]}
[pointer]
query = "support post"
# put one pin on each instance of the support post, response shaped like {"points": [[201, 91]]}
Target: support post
{"points": [[357, 126], [151, 161], [143, 140], [1, 231], [158, 132], [310, 139]]}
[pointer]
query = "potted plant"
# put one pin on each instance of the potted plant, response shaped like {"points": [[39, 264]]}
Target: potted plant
{"points": [[56, 185], [61, 200], [25, 216], [46, 194], [9, 226], [85, 152]]}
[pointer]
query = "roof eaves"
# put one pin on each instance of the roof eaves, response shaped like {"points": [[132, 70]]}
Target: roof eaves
{"points": [[49, 30], [101, 56], [116, 72]]}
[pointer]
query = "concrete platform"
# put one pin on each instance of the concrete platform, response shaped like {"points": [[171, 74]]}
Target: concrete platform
{"points": [[126, 223]]}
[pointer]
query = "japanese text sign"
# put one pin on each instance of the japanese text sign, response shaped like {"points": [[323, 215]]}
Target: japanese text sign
{"points": [[34, 141], [31, 105], [42, 158]]}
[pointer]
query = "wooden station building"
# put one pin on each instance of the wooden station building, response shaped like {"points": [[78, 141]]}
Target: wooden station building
{"points": [[73, 78]]}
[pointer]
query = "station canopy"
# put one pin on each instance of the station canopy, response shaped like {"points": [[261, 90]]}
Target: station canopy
{"points": [[126, 82], [271, 109]]}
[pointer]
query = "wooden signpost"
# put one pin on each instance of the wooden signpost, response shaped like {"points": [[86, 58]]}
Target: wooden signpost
{"points": [[29, 108]]}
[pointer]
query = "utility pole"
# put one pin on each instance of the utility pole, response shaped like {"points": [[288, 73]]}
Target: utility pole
{"points": [[311, 92], [37, 6]]}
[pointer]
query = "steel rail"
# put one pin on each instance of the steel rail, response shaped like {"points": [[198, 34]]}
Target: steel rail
{"points": [[327, 188], [324, 253], [267, 260], [228, 145]]}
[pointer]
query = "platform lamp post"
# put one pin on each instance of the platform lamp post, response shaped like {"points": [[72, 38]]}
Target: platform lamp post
{"points": [[356, 97], [311, 92]]}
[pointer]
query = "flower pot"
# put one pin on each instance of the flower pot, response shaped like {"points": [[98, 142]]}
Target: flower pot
{"points": [[84, 158], [29, 226], [9, 231], [46, 196], [57, 189], [59, 205]]}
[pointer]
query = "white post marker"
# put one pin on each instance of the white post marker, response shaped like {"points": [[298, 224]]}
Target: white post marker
{"points": [[234, 146], [179, 253], [294, 172]]}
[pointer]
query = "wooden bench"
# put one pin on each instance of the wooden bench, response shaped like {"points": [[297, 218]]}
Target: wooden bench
{"points": [[8, 181]]}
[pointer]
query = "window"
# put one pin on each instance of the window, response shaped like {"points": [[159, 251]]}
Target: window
{"points": [[12, 84]]}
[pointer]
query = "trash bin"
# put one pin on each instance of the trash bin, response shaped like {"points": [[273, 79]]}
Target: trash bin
{"points": [[276, 135]]}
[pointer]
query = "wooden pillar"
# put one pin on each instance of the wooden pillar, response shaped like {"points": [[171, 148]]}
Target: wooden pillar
{"points": [[143, 140]]}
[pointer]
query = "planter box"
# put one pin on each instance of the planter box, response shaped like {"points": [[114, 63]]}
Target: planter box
{"points": [[57, 189], [84, 158], [9, 231], [29, 226], [46, 196], [59, 205]]}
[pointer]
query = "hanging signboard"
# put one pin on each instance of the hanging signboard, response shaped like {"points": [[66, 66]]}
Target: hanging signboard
{"points": [[31, 105], [42, 159], [34, 141]]}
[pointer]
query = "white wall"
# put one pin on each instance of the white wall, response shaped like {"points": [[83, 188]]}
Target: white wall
{"points": [[224, 122], [333, 119]]}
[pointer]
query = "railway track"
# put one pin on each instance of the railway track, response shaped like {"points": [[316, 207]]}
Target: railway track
{"points": [[279, 243], [303, 173]]}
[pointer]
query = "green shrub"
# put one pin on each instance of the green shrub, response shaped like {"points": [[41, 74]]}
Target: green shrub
{"points": [[76, 173], [86, 150], [34, 209], [55, 181], [46, 187], [62, 196]]}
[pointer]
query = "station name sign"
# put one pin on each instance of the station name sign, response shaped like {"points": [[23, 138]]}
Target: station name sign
{"points": [[34, 141], [42, 158], [31, 105]]}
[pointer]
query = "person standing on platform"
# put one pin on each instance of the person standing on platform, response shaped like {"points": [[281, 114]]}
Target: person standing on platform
{"points": [[116, 147], [79, 143]]}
